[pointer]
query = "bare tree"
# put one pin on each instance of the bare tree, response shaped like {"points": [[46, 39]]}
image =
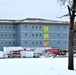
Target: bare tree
{"points": [[72, 11]]}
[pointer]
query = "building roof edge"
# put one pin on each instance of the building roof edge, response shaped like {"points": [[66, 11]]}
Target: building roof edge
{"points": [[33, 20]]}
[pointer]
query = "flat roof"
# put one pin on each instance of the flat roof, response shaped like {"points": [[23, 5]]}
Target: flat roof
{"points": [[32, 20]]}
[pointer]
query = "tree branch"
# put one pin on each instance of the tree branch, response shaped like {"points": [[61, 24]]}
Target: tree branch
{"points": [[63, 16], [69, 11]]}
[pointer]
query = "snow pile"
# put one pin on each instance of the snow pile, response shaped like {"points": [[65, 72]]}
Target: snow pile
{"points": [[36, 66]]}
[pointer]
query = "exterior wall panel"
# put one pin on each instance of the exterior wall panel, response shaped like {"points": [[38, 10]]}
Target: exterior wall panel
{"points": [[34, 35], [7, 35]]}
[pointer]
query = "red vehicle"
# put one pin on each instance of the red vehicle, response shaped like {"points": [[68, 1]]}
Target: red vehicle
{"points": [[53, 50], [14, 53]]}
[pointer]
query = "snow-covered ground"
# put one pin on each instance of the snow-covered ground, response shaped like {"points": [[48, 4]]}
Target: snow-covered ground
{"points": [[36, 66]]}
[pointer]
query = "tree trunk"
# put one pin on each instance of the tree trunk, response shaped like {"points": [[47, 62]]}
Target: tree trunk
{"points": [[71, 36], [70, 57]]}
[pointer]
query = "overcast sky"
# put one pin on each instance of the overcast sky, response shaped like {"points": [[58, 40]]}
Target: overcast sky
{"points": [[21, 9]]}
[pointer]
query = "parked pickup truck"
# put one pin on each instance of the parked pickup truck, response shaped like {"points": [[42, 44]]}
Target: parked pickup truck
{"points": [[48, 54]]}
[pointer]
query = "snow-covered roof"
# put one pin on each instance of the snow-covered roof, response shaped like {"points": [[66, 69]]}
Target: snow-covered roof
{"points": [[33, 20]]}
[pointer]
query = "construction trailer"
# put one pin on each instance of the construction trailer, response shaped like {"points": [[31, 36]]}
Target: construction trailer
{"points": [[28, 51], [22, 51]]}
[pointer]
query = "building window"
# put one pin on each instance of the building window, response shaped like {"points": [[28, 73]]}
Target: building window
{"points": [[9, 42], [57, 27], [65, 42], [5, 26], [13, 35], [25, 26], [40, 34], [13, 27], [25, 34], [46, 36], [5, 42], [13, 42], [40, 42], [65, 34], [25, 41], [36, 42], [32, 27], [58, 34], [46, 43], [32, 42], [32, 34], [46, 28], [5, 34], [1, 34], [36, 27], [40, 27], [9, 27], [36, 34], [58, 41]]}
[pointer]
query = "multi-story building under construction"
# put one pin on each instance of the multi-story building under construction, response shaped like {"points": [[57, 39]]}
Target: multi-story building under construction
{"points": [[32, 32]]}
